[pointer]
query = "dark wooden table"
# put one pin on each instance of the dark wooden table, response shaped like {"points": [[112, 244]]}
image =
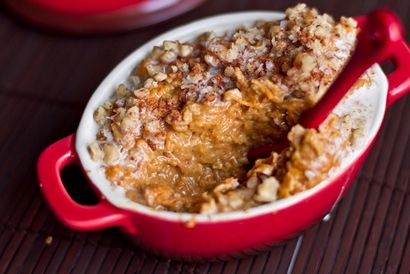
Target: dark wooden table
{"points": [[45, 82]]}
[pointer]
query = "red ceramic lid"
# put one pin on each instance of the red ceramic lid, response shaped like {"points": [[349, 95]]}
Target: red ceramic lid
{"points": [[99, 6], [89, 16]]}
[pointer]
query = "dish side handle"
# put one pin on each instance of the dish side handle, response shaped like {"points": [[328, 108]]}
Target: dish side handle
{"points": [[399, 79], [76, 216], [388, 33]]}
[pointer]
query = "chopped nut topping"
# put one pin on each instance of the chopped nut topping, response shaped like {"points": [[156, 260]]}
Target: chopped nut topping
{"points": [[111, 154], [48, 240], [160, 76], [95, 151], [267, 190], [100, 114], [121, 91], [185, 50], [168, 56], [171, 46]]}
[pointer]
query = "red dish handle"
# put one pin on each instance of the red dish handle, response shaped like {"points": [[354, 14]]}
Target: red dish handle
{"points": [[76, 216], [399, 79]]}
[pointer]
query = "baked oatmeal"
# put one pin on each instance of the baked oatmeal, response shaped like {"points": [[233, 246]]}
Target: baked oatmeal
{"points": [[176, 137]]}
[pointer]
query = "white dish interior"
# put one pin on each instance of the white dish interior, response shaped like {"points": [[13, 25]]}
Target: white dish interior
{"points": [[371, 98]]}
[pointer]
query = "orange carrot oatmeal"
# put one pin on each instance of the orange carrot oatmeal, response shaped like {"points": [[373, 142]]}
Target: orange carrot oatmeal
{"points": [[176, 137]]}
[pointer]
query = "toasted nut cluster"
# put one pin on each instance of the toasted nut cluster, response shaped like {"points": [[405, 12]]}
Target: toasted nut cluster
{"points": [[95, 151], [177, 134], [267, 190], [111, 154]]}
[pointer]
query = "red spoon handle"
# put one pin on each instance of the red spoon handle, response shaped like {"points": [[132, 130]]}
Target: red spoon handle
{"points": [[378, 40]]}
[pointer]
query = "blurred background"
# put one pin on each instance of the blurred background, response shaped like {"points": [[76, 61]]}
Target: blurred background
{"points": [[53, 55]]}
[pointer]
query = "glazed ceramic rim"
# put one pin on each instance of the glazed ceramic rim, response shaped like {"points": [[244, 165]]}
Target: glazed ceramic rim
{"points": [[87, 127]]}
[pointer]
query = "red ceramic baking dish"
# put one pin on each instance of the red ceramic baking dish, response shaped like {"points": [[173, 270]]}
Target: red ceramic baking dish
{"points": [[201, 236]]}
